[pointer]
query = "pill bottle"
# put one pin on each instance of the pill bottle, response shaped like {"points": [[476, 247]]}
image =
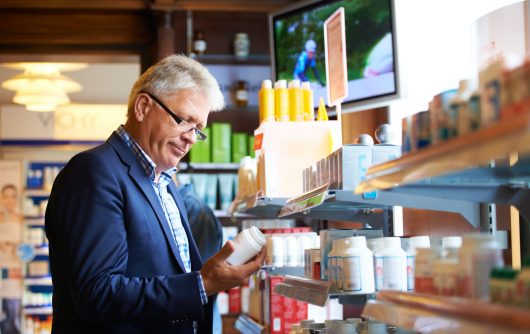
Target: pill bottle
{"points": [[479, 254], [357, 266], [247, 244], [390, 263], [421, 241]]}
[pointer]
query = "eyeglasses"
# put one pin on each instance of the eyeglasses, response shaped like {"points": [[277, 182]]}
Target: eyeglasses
{"points": [[187, 127]]}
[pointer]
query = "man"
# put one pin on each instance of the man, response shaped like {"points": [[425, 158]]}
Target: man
{"points": [[121, 253], [306, 60]]}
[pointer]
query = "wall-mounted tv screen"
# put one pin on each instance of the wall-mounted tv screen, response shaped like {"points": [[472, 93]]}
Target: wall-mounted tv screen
{"points": [[297, 40]]}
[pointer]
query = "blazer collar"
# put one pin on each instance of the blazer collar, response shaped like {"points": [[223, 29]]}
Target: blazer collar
{"points": [[141, 179]]}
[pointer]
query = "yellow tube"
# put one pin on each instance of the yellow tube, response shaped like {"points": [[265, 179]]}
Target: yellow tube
{"points": [[281, 101], [266, 102], [295, 101], [307, 102]]}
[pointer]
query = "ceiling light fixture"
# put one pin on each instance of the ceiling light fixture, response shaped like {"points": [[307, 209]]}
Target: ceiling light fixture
{"points": [[42, 87]]}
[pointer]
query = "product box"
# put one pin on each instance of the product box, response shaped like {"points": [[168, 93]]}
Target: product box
{"points": [[234, 300], [201, 150], [276, 310], [221, 136], [326, 241], [384, 152], [352, 164], [239, 146], [285, 149]]}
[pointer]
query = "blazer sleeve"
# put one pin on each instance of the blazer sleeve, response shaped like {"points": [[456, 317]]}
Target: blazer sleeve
{"points": [[89, 249]]}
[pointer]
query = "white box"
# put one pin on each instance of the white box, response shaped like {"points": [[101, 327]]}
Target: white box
{"points": [[384, 152]]}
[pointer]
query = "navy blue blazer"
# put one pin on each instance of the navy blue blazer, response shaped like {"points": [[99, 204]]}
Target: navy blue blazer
{"points": [[114, 263]]}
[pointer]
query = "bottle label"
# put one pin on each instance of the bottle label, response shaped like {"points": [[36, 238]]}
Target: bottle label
{"points": [[410, 273], [351, 270], [241, 95], [388, 273]]}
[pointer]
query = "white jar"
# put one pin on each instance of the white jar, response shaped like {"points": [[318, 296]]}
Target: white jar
{"points": [[247, 244], [422, 241], [277, 244], [291, 251], [391, 266], [241, 45], [479, 254], [304, 242], [357, 266]]}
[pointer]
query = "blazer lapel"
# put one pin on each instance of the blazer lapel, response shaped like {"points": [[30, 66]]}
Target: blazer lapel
{"points": [[138, 175]]}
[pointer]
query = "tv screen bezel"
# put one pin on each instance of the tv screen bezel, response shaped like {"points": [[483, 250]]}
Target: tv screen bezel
{"points": [[348, 105]]}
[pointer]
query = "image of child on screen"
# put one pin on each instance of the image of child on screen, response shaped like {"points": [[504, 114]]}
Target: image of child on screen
{"points": [[307, 60], [380, 59]]}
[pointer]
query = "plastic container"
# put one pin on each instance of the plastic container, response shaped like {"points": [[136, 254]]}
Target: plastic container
{"points": [[266, 102], [423, 269], [422, 241], [357, 266], [450, 246], [277, 245], [390, 266], [523, 284], [445, 277], [291, 251], [308, 106], [281, 101], [296, 113], [241, 45], [479, 254], [247, 244]]}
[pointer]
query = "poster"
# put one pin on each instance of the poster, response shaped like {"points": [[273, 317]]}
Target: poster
{"points": [[11, 227]]}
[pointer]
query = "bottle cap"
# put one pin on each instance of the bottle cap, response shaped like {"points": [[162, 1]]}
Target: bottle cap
{"points": [[266, 84], [294, 83], [421, 241], [452, 242], [280, 84], [306, 85]]}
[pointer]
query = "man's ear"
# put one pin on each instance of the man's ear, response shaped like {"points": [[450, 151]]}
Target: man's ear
{"points": [[141, 107]]}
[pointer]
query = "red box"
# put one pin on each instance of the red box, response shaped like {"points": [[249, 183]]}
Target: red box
{"points": [[301, 310], [276, 307], [234, 300]]}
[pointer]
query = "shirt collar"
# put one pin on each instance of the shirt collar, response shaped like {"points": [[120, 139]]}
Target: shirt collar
{"points": [[147, 163]]}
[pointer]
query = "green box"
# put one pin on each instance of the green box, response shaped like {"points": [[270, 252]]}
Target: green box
{"points": [[221, 136], [251, 146], [200, 151], [239, 146]]}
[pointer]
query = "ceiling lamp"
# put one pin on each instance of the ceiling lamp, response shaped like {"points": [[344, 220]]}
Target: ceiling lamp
{"points": [[42, 87]]}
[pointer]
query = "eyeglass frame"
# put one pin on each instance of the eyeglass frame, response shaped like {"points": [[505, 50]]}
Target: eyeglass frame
{"points": [[199, 135]]}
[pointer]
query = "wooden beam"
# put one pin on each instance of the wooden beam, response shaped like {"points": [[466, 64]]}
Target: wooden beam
{"points": [[224, 5], [76, 4]]}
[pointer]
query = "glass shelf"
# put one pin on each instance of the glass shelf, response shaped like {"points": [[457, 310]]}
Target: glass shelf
{"points": [[230, 59], [41, 281], [44, 310], [468, 151], [433, 314]]}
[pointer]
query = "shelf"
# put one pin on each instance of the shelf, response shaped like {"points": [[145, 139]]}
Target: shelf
{"points": [[232, 166], [44, 310], [331, 204], [230, 59], [247, 325], [41, 251], [292, 271], [34, 221], [433, 314], [41, 281], [468, 151], [36, 193], [314, 292]]}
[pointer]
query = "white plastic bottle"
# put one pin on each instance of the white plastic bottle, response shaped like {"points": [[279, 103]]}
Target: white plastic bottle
{"points": [[391, 266], [478, 255], [357, 266], [247, 244], [291, 251], [422, 241]]}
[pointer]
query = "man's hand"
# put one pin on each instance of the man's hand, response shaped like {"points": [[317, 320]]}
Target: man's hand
{"points": [[218, 275]]}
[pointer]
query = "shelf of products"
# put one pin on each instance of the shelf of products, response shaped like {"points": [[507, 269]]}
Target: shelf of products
{"points": [[46, 310], [433, 314], [43, 281]]}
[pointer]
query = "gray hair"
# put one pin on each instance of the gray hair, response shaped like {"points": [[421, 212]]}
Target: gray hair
{"points": [[174, 73]]}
